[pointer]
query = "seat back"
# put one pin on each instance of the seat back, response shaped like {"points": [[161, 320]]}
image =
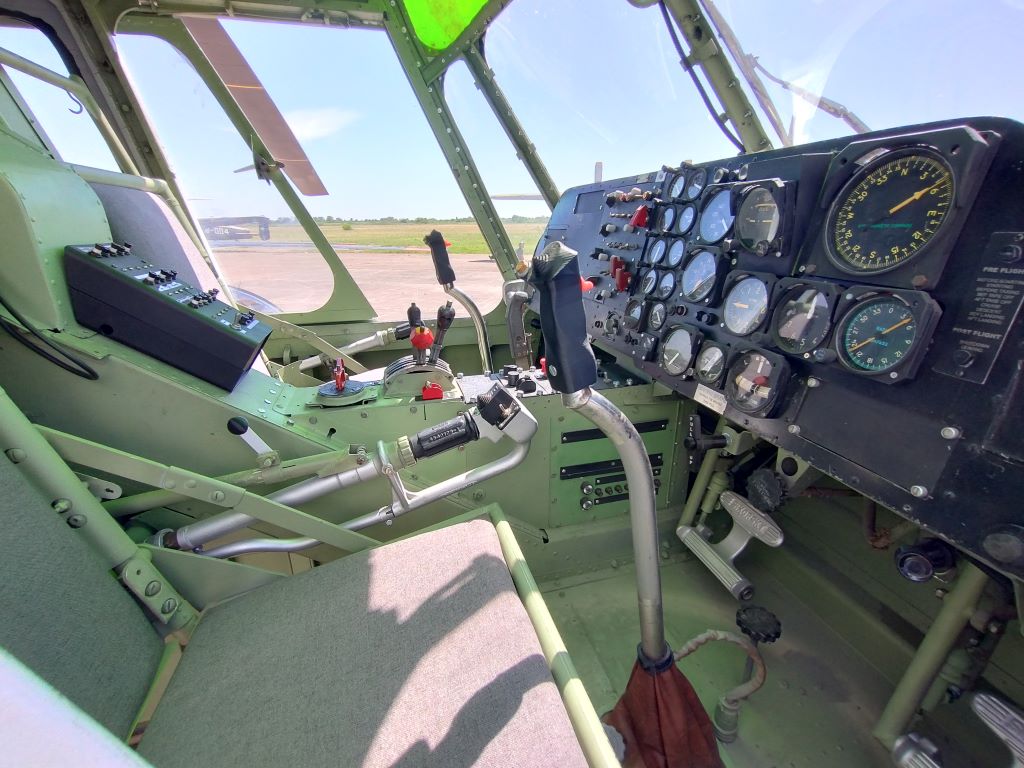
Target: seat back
{"points": [[64, 615]]}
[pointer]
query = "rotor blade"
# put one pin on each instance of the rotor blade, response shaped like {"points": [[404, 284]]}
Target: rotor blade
{"points": [[255, 102]]}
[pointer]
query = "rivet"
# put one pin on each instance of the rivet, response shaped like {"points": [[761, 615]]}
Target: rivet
{"points": [[61, 505], [169, 605], [190, 483], [152, 588], [77, 521], [793, 429], [812, 382], [217, 496], [918, 491], [950, 433]]}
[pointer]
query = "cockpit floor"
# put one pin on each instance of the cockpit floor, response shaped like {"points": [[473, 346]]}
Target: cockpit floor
{"points": [[821, 698]]}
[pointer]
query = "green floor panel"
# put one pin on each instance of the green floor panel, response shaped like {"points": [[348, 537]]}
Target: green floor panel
{"points": [[816, 708]]}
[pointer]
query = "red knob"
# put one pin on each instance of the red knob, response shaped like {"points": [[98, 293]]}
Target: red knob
{"points": [[621, 279], [586, 285], [340, 377], [421, 338], [432, 391], [639, 218]]}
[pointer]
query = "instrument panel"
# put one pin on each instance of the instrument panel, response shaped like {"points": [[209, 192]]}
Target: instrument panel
{"points": [[854, 301]]}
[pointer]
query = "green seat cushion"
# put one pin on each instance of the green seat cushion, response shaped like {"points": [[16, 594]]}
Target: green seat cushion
{"points": [[64, 615], [418, 653]]}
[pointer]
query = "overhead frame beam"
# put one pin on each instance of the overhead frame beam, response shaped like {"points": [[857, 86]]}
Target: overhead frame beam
{"points": [[706, 53]]}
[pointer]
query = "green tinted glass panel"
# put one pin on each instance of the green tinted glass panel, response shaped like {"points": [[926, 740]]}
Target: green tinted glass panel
{"points": [[438, 22]]}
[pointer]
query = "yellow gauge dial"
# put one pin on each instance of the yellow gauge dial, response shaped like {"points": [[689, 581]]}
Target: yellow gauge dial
{"points": [[890, 212]]}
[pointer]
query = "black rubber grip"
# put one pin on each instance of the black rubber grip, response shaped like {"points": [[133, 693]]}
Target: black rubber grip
{"points": [[439, 253], [414, 315], [403, 331], [570, 360], [446, 435]]}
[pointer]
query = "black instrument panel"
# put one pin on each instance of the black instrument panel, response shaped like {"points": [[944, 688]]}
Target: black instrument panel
{"points": [[853, 301]]}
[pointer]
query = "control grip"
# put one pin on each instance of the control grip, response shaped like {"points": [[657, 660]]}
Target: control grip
{"points": [[570, 360], [444, 436], [439, 253]]}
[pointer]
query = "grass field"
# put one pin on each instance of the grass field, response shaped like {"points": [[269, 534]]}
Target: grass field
{"points": [[465, 238]]}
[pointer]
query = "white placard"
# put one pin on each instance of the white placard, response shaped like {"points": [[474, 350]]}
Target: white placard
{"points": [[713, 400]]}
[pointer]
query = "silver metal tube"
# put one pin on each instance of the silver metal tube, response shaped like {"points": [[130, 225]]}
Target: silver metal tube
{"points": [[642, 511], [415, 501], [478, 321], [196, 534]]}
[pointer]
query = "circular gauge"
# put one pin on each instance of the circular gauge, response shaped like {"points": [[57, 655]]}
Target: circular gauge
{"points": [[612, 324], [677, 351], [710, 365], [656, 252], [687, 215], [675, 254], [890, 211], [698, 180], [802, 319], [633, 314], [666, 286], [699, 276], [677, 186], [876, 335], [749, 383], [716, 218], [757, 221], [668, 218], [648, 282], [657, 316], [745, 306]]}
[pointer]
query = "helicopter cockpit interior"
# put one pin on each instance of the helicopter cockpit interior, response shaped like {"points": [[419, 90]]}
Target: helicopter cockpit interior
{"points": [[322, 443]]}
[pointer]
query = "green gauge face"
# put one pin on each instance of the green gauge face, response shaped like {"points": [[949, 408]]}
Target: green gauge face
{"points": [[745, 306], [876, 335], [668, 218], [687, 215], [675, 254], [889, 212], [677, 352], [802, 319]]}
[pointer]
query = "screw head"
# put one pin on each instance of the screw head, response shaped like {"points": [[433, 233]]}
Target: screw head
{"points": [[61, 505], [813, 383], [918, 491], [152, 588], [793, 429], [170, 604], [77, 521], [217, 496], [950, 433]]}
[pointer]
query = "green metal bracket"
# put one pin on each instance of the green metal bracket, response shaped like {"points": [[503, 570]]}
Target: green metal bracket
{"points": [[154, 591], [431, 99], [284, 329], [202, 488]]}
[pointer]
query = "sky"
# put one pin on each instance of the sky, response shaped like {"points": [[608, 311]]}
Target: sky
{"points": [[604, 85]]}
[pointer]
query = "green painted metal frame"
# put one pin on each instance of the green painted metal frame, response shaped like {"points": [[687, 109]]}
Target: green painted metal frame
{"points": [[347, 303], [202, 488], [582, 714]]}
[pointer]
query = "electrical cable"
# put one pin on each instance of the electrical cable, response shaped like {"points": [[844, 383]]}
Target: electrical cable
{"points": [[77, 367], [696, 80]]}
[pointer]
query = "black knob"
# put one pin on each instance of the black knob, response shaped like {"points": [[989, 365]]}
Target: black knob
{"points": [[415, 315], [526, 385], [759, 624], [238, 425]]}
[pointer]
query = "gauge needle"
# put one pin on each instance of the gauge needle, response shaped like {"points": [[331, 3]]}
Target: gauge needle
{"points": [[916, 196], [902, 322]]}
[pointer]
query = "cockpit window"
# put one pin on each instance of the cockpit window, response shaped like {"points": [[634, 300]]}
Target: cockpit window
{"points": [[59, 116], [885, 63], [601, 86]]}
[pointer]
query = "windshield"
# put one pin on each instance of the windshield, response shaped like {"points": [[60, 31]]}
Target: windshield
{"points": [[606, 85]]}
